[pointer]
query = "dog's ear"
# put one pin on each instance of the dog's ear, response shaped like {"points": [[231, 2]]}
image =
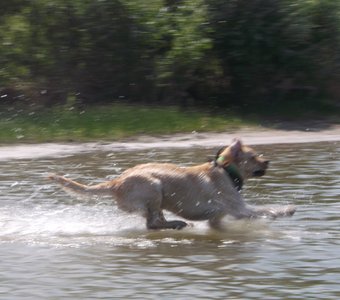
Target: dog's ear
{"points": [[220, 159], [235, 148], [227, 155], [219, 152]]}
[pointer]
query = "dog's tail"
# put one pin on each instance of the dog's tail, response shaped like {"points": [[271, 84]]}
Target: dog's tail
{"points": [[106, 188]]}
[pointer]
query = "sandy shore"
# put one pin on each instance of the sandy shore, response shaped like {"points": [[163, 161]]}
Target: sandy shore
{"points": [[250, 136]]}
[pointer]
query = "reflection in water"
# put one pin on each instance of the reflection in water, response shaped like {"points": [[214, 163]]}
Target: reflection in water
{"points": [[54, 246]]}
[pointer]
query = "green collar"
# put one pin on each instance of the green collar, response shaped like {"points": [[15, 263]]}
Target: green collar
{"points": [[234, 175], [232, 170]]}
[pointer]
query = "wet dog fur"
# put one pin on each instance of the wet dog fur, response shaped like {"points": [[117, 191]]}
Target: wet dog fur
{"points": [[208, 191]]}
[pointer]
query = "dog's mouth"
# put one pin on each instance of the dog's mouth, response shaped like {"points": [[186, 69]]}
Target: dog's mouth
{"points": [[259, 173]]}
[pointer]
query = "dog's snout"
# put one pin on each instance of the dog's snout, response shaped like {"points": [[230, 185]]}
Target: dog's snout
{"points": [[266, 163]]}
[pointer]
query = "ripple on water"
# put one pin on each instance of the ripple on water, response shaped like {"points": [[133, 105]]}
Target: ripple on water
{"points": [[54, 246]]}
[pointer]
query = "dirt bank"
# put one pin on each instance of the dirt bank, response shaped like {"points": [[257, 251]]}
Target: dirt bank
{"points": [[250, 136]]}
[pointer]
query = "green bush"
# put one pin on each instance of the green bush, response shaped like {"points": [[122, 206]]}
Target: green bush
{"points": [[183, 52]]}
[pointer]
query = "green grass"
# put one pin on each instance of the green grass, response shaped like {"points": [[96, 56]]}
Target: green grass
{"points": [[106, 123]]}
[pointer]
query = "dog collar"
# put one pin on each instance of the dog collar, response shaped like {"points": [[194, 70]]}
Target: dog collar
{"points": [[232, 171], [234, 175]]}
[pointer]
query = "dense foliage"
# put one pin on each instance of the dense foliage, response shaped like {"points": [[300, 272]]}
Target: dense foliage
{"points": [[187, 52]]}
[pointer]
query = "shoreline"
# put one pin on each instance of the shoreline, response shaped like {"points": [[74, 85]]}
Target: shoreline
{"points": [[250, 136]]}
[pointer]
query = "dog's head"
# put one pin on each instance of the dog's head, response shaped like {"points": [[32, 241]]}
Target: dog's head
{"points": [[248, 162]]}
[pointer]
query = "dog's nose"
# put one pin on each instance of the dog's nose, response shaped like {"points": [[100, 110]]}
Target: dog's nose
{"points": [[266, 162]]}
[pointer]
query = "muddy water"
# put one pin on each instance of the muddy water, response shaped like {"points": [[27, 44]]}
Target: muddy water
{"points": [[54, 246]]}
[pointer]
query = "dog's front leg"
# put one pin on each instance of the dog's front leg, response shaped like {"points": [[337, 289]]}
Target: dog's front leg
{"points": [[265, 212], [275, 212], [216, 223]]}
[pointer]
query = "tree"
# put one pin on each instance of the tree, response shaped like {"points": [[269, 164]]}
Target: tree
{"points": [[268, 47]]}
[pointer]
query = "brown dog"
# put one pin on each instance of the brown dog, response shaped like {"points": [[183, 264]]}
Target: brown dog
{"points": [[208, 191]]}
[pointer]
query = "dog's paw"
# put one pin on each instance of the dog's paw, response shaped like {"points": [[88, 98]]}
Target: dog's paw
{"points": [[290, 210], [56, 178], [178, 224], [52, 176]]}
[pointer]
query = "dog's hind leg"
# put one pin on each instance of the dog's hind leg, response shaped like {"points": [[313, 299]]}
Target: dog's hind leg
{"points": [[156, 220], [145, 195]]}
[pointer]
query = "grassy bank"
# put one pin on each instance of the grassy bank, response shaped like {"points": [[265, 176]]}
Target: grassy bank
{"points": [[105, 123]]}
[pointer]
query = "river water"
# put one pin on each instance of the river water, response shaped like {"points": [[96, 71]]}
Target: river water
{"points": [[54, 246]]}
